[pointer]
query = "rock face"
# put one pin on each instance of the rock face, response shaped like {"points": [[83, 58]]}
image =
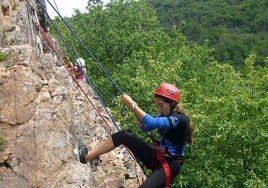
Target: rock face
{"points": [[42, 112]]}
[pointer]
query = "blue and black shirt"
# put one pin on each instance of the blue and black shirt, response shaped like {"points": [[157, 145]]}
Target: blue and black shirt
{"points": [[173, 129]]}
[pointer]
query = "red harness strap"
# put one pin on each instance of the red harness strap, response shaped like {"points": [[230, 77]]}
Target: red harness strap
{"points": [[164, 163]]}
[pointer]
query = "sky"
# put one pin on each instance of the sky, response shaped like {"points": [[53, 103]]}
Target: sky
{"points": [[66, 7]]}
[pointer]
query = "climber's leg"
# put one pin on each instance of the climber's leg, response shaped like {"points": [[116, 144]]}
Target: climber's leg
{"points": [[105, 147], [139, 148]]}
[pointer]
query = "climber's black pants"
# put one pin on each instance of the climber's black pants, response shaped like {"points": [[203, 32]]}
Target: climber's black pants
{"points": [[145, 153]]}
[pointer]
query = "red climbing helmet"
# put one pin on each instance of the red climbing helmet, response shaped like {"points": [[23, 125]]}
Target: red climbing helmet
{"points": [[169, 91]]}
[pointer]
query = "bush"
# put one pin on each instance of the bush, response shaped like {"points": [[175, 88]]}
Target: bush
{"points": [[2, 56]]}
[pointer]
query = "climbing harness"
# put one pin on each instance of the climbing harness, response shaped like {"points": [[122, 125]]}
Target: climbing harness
{"points": [[161, 158], [161, 153]]}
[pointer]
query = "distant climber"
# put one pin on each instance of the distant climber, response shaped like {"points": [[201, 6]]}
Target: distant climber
{"points": [[80, 70], [42, 14], [166, 156]]}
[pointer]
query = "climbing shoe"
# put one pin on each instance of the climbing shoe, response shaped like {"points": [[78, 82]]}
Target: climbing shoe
{"points": [[82, 151]]}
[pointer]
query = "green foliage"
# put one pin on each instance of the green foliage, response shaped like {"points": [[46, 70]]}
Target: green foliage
{"points": [[2, 56], [1, 143], [234, 28], [113, 35], [8, 65], [229, 107]]}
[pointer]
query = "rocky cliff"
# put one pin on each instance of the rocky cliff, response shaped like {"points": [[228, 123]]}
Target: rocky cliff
{"points": [[42, 112]]}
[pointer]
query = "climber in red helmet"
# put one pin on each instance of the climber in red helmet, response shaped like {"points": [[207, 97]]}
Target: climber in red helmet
{"points": [[164, 157]]}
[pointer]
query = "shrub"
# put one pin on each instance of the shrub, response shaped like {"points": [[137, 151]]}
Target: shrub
{"points": [[2, 56]]}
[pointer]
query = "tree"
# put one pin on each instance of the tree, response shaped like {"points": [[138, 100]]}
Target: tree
{"points": [[209, 20], [228, 106]]}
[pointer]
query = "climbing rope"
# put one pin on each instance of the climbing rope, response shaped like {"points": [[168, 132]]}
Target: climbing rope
{"points": [[74, 56], [99, 97], [86, 47], [52, 46], [56, 6], [73, 77]]}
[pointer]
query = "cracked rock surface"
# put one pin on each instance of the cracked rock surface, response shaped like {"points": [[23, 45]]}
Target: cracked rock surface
{"points": [[42, 112]]}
